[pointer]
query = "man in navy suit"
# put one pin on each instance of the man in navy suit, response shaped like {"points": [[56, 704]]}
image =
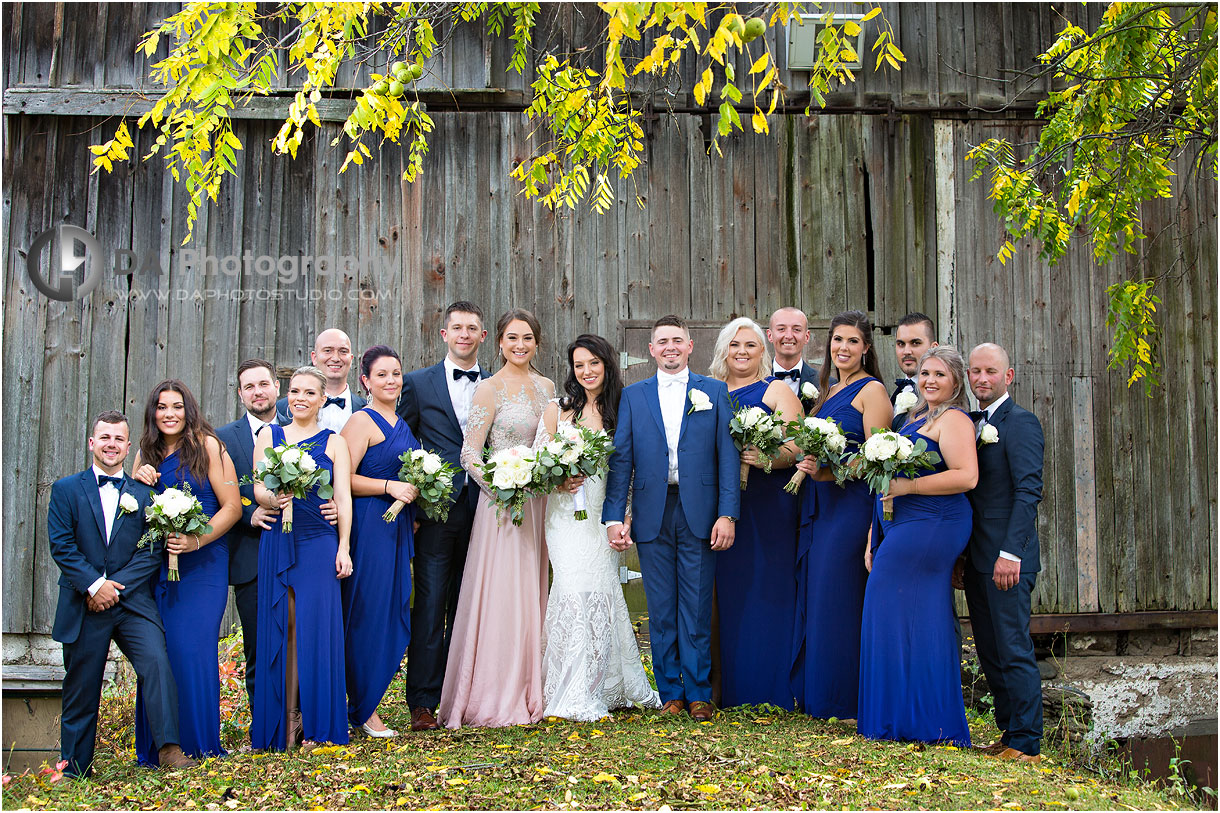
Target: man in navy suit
{"points": [[257, 387], [916, 335], [673, 438], [435, 403], [95, 521], [788, 332], [332, 354], [1001, 562]]}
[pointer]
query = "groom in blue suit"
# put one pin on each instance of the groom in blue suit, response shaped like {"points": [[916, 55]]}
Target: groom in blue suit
{"points": [[94, 522], [1001, 561], [673, 439]]}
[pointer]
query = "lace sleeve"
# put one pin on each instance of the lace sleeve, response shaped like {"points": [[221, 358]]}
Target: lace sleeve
{"points": [[478, 425], [550, 417]]}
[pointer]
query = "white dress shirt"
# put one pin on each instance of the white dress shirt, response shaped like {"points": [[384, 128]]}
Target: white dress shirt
{"points": [[333, 417], [671, 392], [110, 509], [461, 391], [794, 384], [986, 419], [256, 424]]}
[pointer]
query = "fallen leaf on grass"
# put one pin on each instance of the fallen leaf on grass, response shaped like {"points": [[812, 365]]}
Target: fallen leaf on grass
{"points": [[575, 735], [457, 780], [605, 777], [708, 789], [596, 733], [844, 741], [635, 797]]}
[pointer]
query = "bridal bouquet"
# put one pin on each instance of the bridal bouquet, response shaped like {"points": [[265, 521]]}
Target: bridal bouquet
{"points": [[754, 426], [887, 454], [291, 469], [178, 511], [575, 451], [433, 476], [822, 440], [509, 476]]}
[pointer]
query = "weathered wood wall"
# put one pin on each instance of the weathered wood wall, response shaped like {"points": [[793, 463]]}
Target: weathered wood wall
{"points": [[866, 207]]}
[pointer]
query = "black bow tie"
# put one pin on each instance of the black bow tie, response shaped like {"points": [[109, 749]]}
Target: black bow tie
{"points": [[903, 383], [103, 479], [793, 374], [342, 402], [458, 375], [978, 415]]}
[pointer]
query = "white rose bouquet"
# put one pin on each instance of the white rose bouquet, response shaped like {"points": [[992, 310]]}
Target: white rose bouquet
{"points": [[433, 476], [290, 469], [887, 454], [754, 426], [574, 451], [174, 511], [820, 439], [509, 476]]}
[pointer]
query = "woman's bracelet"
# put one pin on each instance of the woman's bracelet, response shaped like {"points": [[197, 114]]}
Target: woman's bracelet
{"points": [[386, 490]]}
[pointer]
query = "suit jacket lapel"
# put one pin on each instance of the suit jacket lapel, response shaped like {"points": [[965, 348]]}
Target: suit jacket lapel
{"points": [[92, 494], [442, 395], [1001, 413], [119, 515], [691, 380], [245, 443], [653, 397]]}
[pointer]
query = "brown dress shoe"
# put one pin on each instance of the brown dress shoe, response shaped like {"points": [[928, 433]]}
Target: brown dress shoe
{"points": [[422, 719], [674, 707], [171, 756], [701, 711], [991, 750], [1013, 755]]}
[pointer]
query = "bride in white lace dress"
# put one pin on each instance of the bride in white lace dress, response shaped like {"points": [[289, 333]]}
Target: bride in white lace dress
{"points": [[591, 663]]}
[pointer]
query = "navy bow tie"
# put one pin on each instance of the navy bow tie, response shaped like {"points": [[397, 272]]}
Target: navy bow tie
{"points": [[342, 402], [103, 479], [903, 383], [793, 374], [978, 415], [458, 375]]}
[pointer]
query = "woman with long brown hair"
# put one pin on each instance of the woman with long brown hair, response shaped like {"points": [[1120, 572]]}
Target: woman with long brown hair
{"points": [[494, 673], [179, 448], [834, 526]]}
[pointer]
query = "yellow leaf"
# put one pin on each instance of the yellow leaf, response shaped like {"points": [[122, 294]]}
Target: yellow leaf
{"points": [[596, 733], [871, 14], [844, 741], [851, 29], [760, 64], [575, 735], [605, 777], [708, 789], [759, 121], [457, 780]]}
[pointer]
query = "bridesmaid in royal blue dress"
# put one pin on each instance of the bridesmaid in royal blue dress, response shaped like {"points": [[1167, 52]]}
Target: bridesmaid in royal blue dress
{"points": [[377, 597], [301, 692], [179, 448], [755, 585], [910, 674], [834, 528]]}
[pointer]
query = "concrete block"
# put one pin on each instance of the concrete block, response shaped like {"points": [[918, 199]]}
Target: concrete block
{"points": [[1153, 642], [1203, 642], [1096, 643]]}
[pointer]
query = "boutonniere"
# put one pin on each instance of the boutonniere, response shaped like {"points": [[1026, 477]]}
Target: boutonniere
{"points": [[809, 392], [699, 402], [988, 435], [127, 504], [904, 401]]}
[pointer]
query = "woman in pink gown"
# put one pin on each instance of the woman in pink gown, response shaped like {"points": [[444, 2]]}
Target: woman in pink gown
{"points": [[494, 673]]}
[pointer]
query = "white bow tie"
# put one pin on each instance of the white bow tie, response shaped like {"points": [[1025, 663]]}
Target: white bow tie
{"points": [[674, 381]]}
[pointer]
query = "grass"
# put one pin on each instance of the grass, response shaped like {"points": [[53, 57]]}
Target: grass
{"points": [[747, 758]]}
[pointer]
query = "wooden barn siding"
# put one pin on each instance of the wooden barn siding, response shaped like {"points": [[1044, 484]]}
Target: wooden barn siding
{"points": [[791, 219]]}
